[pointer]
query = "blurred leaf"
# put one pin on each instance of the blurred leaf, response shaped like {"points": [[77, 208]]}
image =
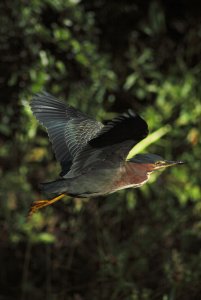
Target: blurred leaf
{"points": [[151, 138]]}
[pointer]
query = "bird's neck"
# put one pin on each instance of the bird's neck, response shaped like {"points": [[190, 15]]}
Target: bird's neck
{"points": [[139, 167], [138, 172], [134, 174]]}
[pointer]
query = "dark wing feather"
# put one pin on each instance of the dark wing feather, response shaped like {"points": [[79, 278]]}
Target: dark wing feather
{"points": [[112, 143], [66, 127], [129, 126]]}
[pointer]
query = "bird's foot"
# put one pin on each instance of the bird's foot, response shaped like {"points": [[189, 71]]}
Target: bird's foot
{"points": [[42, 203]]}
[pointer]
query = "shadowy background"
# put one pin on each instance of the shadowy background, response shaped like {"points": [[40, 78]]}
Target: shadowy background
{"points": [[102, 57]]}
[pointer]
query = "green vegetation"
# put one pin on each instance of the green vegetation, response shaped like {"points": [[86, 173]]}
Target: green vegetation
{"points": [[102, 57]]}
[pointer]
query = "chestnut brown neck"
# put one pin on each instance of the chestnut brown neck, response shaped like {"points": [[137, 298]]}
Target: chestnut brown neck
{"points": [[134, 174], [138, 172]]}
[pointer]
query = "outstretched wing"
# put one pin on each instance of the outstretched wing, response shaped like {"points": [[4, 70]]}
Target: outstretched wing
{"points": [[69, 129], [112, 143]]}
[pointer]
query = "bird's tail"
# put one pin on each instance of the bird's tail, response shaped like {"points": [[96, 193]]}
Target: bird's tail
{"points": [[54, 187]]}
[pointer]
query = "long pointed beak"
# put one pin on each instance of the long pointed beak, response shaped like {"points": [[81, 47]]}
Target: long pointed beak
{"points": [[169, 163]]}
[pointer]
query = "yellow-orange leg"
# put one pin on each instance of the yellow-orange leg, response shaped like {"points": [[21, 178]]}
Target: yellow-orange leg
{"points": [[42, 203]]}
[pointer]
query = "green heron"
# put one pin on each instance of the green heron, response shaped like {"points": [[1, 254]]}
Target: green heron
{"points": [[92, 155]]}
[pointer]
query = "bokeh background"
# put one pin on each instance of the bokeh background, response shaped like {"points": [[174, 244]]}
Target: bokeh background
{"points": [[102, 57]]}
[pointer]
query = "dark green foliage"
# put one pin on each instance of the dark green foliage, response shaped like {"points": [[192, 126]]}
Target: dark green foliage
{"points": [[103, 57]]}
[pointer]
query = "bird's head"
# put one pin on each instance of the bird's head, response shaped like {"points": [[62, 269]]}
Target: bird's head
{"points": [[156, 162]]}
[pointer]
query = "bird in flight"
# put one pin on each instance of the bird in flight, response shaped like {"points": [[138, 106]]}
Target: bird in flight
{"points": [[92, 155]]}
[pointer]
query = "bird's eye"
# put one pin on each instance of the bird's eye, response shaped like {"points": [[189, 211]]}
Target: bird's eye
{"points": [[158, 163]]}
